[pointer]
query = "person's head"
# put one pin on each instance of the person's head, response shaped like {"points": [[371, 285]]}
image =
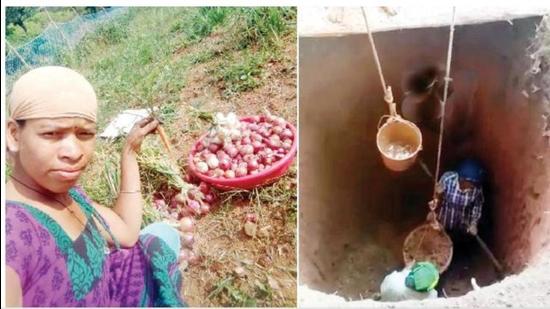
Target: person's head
{"points": [[471, 174], [51, 128]]}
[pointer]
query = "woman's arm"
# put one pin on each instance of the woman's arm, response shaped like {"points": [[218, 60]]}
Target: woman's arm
{"points": [[14, 295], [125, 217]]}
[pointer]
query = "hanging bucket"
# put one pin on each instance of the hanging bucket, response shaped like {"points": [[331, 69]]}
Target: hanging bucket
{"points": [[427, 244], [399, 142]]}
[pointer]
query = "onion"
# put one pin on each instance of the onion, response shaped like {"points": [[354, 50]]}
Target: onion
{"points": [[264, 132], [277, 130], [280, 122], [241, 171], [205, 209], [194, 206], [184, 255], [253, 126], [256, 137], [287, 133], [213, 147], [186, 212], [220, 154], [180, 199], [225, 164], [257, 146], [246, 149], [202, 167], [187, 240], [159, 203], [234, 166], [193, 194], [194, 259], [212, 162], [218, 173], [229, 174], [256, 119], [235, 134], [216, 140], [209, 198], [187, 224], [253, 165], [233, 151], [246, 140], [275, 138]]}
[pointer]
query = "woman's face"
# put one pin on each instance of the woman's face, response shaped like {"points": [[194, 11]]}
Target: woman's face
{"points": [[52, 152]]}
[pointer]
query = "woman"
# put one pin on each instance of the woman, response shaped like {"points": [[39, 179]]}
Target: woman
{"points": [[62, 248]]}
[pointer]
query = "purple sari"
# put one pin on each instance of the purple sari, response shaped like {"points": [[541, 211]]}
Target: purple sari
{"points": [[56, 271]]}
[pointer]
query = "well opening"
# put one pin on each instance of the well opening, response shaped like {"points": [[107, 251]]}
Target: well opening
{"points": [[355, 213]]}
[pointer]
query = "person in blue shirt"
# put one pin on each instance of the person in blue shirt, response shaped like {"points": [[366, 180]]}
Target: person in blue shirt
{"points": [[460, 195]]}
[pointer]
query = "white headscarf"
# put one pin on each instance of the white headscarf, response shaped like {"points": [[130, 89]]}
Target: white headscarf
{"points": [[52, 92]]}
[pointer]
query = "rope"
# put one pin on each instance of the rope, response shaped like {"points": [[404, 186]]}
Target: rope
{"points": [[443, 103], [388, 95]]}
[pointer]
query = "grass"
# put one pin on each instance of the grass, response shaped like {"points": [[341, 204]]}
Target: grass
{"points": [[37, 23], [193, 62], [243, 74]]}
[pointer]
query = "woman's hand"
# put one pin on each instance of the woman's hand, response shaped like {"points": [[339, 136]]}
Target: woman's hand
{"points": [[141, 129]]}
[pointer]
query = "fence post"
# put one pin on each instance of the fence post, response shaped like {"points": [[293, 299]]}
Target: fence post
{"points": [[59, 29], [18, 55]]}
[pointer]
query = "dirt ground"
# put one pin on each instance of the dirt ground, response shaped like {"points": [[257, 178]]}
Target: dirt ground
{"points": [[235, 269], [528, 289]]}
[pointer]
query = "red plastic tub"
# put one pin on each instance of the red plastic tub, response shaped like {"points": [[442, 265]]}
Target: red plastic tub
{"points": [[250, 181]]}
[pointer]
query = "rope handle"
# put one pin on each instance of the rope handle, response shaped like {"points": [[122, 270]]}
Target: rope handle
{"points": [[391, 118]]}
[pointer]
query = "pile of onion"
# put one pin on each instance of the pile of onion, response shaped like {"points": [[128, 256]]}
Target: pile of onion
{"points": [[187, 229], [235, 148], [191, 201]]}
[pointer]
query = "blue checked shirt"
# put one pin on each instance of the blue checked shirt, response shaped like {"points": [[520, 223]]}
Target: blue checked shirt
{"points": [[459, 208]]}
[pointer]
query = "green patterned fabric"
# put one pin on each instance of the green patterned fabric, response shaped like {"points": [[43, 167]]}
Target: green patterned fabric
{"points": [[423, 277], [168, 287]]}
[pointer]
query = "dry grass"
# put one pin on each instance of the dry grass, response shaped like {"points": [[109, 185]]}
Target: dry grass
{"points": [[239, 270], [235, 269], [189, 80]]}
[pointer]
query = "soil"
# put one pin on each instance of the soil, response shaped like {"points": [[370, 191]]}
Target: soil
{"points": [[528, 289], [262, 267], [347, 195]]}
